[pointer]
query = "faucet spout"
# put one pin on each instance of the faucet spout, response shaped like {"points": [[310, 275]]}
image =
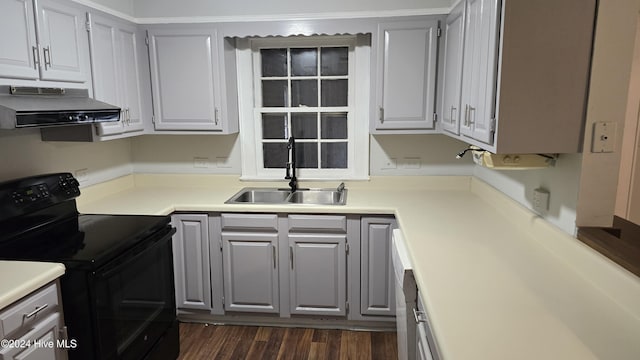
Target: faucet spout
{"points": [[291, 165]]}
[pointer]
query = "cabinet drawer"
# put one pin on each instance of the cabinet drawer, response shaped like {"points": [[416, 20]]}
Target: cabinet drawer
{"points": [[29, 310], [334, 223], [268, 222]]}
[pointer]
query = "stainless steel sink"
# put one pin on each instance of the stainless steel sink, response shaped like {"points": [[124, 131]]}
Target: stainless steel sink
{"points": [[318, 196], [285, 196], [259, 196]]}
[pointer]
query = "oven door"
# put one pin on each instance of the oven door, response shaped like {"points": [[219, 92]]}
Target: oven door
{"points": [[135, 299]]}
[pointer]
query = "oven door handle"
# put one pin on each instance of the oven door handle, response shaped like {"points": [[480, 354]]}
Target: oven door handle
{"points": [[138, 251]]}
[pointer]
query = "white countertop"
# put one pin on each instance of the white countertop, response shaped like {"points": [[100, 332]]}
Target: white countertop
{"points": [[20, 278], [498, 282]]}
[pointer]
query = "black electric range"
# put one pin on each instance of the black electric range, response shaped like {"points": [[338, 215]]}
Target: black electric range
{"points": [[118, 290]]}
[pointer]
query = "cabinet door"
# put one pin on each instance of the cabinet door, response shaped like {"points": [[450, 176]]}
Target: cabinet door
{"points": [[452, 69], [250, 272], [318, 277], [62, 38], [18, 48], [406, 74], [130, 78], [191, 261], [103, 44], [480, 69], [377, 295], [184, 72], [44, 332]]}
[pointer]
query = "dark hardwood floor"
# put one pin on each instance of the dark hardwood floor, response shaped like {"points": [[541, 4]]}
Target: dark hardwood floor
{"points": [[200, 341]]}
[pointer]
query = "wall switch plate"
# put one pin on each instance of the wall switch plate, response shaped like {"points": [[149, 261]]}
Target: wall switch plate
{"points": [[604, 137], [540, 200], [389, 164]]}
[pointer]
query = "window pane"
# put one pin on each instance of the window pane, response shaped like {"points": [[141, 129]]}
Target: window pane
{"points": [[334, 92], [334, 155], [304, 93], [304, 125], [334, 61], [274, 62], [307, 155], [274, 126], [275, 155], [333, 125], [304, 62], [274, 93]]}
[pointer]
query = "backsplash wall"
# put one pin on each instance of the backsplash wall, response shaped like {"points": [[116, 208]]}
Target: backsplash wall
{"points": [[561, 181], [24, 154]]}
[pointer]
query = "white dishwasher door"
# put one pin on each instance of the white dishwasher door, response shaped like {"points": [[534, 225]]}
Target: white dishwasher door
{"points": [[406, 294]]}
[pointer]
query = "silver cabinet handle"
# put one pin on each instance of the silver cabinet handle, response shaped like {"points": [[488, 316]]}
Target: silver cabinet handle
{"points": [[472, 109], [36, 311], [47, 57], [216, 116], [291, 255], [451, 112], [381, 111], [36, 57], [466, 115], [273, 252], [418, 316], [128, 116]]}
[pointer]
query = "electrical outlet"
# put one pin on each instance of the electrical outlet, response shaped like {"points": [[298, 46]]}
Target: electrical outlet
{"points": [[82, 175], [540, 200], [411, 163], [201, 162], [604, 137]]}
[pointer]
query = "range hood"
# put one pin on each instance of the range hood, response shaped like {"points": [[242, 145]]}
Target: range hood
{"points": [[22, 107]]}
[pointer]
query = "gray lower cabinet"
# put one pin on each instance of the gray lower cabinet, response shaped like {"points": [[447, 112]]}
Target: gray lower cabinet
{"points": [[376, 278], [318, 276], [37, 318], [191, 261], [250, 262]]}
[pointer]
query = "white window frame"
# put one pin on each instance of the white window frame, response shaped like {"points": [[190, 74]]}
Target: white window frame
{"points": [[249, 72]]}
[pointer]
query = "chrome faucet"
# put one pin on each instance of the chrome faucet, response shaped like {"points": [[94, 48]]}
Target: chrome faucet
{"points": [[291, 165]]}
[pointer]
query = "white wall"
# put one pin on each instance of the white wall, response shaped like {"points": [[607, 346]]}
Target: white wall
{"points": [[216, 154], [248, 8], [124, 7], [561, 181], [24, 154], [417, 155]]}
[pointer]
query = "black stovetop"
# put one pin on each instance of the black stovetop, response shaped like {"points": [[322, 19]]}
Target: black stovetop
{"points": [[39, 221]]}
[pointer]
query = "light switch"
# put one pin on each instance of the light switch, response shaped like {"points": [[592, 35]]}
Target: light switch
{"points": [[604, 137]]}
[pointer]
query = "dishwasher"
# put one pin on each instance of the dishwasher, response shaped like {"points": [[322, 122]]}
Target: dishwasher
{"points": [[406, 296]]}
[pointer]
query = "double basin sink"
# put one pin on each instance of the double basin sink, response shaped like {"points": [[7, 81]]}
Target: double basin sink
{"points": [[286, 196]]}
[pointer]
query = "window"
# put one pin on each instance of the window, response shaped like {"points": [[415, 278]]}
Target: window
{"points": [[303, 87]]}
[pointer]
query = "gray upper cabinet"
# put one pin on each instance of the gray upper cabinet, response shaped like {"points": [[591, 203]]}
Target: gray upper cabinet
{"points": [[193, 79], [191, 261], [377, 280], [55, 49], [251, 272], [18, 46], [405, 76], [524, 75], [317, 279], [115, 72], [452, 69], [479, 72]]}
